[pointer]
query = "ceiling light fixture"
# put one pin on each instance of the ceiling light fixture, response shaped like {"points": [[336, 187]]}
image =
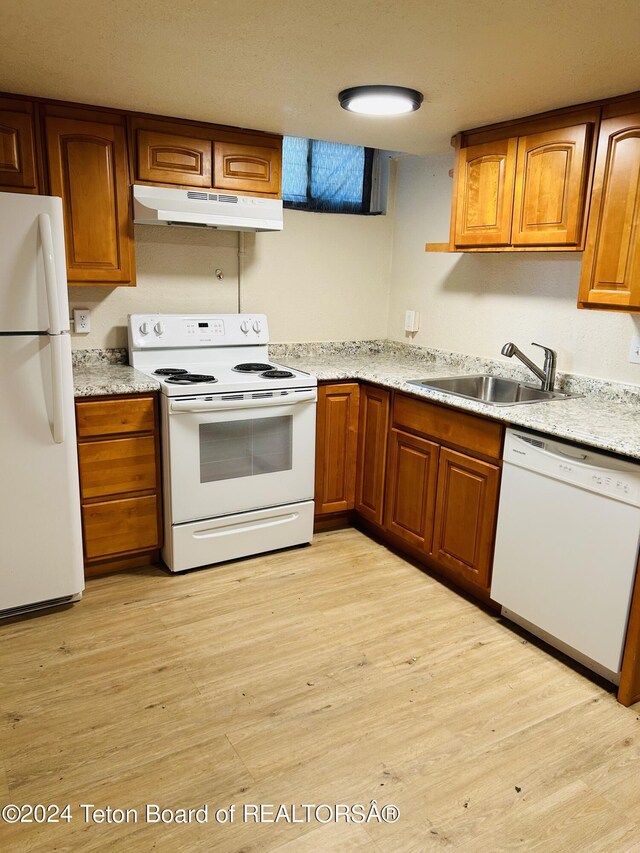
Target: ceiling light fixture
{"points": [[380, 100]]}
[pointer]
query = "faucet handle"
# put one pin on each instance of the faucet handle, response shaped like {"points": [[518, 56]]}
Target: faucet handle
{"points": [[548, 352]]}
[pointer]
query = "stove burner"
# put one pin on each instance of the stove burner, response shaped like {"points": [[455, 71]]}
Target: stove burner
{"points": [[170, 371], [277, 374], [252, 367], [190, 378]]}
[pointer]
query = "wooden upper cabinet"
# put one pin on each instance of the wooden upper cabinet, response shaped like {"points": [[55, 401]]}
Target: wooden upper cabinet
{"points": [[18, 170], [247, 168], [87, 159], [372, 452], [336, 447], [484, 194], [189, 154], [550, 186], [170, 159], [524, 185], [611, 264]]}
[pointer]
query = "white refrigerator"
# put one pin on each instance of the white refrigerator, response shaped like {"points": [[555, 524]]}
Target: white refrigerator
{"points": [[40, 529]]}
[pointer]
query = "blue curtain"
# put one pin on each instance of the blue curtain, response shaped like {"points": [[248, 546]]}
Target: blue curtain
{"points": [[324, 176]]}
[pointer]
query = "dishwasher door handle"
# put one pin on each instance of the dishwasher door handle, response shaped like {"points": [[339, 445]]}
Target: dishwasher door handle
{"points": [[556, 452], [579, 457]]}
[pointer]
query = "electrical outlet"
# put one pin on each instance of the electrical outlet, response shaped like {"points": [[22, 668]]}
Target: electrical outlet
{"points": [[81, 321], [634, 350]]}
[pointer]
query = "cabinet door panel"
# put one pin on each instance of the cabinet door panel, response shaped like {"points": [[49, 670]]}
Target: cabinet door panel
{"points": [[169, 158], [337, 437], [411, 489], [17, 148], [611, 263], [87, 168], [372, 452], [551, 177], [246, 168], [484, 192], [466, 509]]}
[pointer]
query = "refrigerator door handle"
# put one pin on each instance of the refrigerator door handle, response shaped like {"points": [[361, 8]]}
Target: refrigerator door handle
{"points": [[57, 387], [50, 278]]}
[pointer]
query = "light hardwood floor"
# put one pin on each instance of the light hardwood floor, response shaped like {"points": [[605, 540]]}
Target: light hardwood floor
{"points": [[337, 673]]}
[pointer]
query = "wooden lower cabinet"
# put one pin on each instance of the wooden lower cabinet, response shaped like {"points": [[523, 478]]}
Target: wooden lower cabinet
{"points": [[118, 456], [336, 448], [442, 484], [411, 489], [465, 517], [373, 431]]}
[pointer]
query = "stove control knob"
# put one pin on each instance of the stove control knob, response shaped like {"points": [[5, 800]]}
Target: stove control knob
{"points": [[244, 327], [158, 328], [256, 327], [144, 329]]}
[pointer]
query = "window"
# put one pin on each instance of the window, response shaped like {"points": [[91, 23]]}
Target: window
{"points": [[327, 177]]}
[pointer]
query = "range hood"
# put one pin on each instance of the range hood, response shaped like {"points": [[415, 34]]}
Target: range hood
{"points": [[205, 209]]}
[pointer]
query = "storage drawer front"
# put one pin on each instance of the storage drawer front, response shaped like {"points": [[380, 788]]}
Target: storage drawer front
{"points": [[479, 435], [118, 466], [110, 417], [114, 527]]}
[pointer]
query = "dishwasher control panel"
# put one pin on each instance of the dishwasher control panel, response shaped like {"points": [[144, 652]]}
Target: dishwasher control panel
{"points": [[582, 467]]}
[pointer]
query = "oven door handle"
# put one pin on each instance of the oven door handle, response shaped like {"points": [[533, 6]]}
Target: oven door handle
{"points": [[291, 398]]}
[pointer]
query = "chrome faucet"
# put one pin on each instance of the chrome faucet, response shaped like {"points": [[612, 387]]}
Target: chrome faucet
{"points": [[546, 374]]}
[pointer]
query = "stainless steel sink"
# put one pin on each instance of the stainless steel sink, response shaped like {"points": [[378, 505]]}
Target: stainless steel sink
{"points": [[493, 390]]}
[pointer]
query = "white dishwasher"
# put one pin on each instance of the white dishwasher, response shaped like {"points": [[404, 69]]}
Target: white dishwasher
{"points": [[567, 546]]}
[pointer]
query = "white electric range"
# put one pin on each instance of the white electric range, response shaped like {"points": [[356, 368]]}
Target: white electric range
{"points": [[238, 436]]}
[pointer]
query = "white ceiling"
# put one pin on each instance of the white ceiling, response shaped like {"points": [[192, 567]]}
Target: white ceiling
{"points": [[278, 65]]}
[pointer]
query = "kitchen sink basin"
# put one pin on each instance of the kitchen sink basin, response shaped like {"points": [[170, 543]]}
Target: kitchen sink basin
{"points": [[493, 390]]}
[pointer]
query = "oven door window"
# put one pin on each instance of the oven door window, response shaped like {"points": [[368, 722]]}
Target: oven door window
{"points": [[245, 448]]}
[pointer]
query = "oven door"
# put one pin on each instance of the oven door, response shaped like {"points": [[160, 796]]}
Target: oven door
{"points": [[230, 453]]}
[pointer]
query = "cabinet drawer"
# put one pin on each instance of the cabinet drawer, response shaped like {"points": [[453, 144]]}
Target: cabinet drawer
{"points": [[114, 527], [111, 417], [480, 435], [118, 466]]}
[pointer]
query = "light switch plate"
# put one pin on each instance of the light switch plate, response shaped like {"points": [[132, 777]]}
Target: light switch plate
{"points": [[411, 321], [634, 351]]}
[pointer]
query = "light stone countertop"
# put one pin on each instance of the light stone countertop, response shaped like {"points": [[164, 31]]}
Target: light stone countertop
{"points": [[95, 380], [99, 372], [607, 417]]}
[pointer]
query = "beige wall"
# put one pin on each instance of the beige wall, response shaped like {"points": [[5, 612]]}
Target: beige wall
{"points": [[324, 277], [333, 277], [475, 303]]}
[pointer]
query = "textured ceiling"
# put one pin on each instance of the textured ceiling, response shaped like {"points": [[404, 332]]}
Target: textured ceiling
{"points": [[278, 65]]}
